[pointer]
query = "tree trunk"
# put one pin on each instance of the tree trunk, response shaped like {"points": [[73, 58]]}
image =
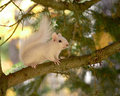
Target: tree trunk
{"points": [[3, 85], [3, 79]]}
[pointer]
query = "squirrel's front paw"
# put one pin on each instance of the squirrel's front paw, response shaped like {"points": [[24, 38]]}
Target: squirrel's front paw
{"points": [[57, 61]]}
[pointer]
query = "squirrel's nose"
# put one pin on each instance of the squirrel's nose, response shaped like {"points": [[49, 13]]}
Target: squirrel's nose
{"points": [[66, 44]]}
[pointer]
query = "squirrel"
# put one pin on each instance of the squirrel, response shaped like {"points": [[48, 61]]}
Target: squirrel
{"points": [[39, 47]]}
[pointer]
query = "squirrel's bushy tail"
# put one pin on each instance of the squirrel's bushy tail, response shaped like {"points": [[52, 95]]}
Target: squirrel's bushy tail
{"points": [[41, 36]]}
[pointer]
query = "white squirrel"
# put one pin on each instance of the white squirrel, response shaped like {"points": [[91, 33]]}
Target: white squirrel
{"points": [[38, 48]]}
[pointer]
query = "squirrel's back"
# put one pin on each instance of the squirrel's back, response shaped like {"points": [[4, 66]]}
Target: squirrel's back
{"points": [[41, 36]]}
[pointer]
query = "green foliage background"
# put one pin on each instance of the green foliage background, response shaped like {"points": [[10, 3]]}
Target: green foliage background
{"points": [[79, 30]]}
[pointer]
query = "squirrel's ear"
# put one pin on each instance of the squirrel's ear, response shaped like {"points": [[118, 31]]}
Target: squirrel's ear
{"points": [[54, 36], [59, 34]]}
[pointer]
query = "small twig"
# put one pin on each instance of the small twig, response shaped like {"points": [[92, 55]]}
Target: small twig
{"points": [[17, 6], [11, 34], [31, 8], [24, 15], [3, 6], [9, 25], [4, 26], [18, 22]]}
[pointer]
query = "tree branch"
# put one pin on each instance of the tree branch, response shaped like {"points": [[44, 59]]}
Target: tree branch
{"points": [[0, 62], [72, 62], [11, 34], [5, 5], [65, 5]]}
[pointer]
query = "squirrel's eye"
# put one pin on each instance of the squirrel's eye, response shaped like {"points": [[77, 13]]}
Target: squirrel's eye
{"points": [[60, 41]]}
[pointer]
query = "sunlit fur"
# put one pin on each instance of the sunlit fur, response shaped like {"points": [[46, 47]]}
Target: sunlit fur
{"points": [[38, 47]]}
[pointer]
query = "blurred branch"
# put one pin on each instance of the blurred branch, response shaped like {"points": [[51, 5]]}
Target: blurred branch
{"points": [[36, 85], [16, 5], [0, 62], [75, 81], [18, 22], [69, 63], [65, 5], [11, 34], [23, 16], [3, 6], [9, 25]]}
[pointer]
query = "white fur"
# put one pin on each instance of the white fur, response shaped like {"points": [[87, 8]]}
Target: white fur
{"points": [[38, 48]]}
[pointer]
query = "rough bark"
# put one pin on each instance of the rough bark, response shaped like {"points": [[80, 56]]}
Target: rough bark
{"points": [[3, 79], [69, 63], [64, 5], [0, 61], [3, 85]]}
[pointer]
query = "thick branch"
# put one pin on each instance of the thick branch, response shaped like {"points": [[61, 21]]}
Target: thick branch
{"points": [[0, 62], [72, 62], [64, 5]]}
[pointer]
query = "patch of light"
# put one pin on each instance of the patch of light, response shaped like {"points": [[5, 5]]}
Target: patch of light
{"points": [[67, 12], [26, 4], [55, 81], [97, 65], [83, 1], [7, 15], [28, 81], [75, 44], [26, 32], [88, 77]]}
